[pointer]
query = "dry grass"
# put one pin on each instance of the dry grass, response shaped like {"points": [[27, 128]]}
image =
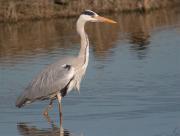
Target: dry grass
{"points": [[11, 10]]}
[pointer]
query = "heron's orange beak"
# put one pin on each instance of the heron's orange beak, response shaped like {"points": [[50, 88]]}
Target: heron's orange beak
{"points": [[103, 19]]}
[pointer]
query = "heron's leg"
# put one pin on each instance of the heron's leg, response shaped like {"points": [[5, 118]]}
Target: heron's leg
{"points": [[48, 108], [60, 107]]}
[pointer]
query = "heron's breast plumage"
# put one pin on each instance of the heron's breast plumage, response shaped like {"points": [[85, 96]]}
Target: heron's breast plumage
{"points": [[80, 70]]}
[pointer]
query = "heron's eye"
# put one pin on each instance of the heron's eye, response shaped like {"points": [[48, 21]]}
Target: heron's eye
{"points": [[90, 13]]}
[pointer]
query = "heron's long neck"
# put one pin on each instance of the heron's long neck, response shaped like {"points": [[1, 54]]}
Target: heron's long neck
{"points": [[84, 50]]}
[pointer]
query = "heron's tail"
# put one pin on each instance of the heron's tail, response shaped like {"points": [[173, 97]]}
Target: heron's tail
{"points": [[21, 100]]}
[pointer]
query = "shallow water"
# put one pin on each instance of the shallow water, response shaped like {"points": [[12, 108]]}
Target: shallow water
{"points": [[132, 83]]}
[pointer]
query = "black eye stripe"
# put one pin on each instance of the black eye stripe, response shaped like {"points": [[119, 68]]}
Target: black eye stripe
{"points": [[88, 13]]}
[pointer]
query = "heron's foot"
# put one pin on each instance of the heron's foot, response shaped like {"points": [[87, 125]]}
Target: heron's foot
{"points": [[48, 119], [47, 109], [45, 113]]}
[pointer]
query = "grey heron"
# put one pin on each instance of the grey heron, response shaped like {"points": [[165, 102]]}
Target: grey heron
{"points": [[59, 78]]}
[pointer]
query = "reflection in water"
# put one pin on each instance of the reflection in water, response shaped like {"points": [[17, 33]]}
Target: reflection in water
{"points": [[139, 40], [138, 27], [35, 37], [47, 36], [139, 35], [26, 130], [139, 43]]}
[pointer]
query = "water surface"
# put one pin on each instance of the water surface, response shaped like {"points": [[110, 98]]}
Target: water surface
{"points": [[132, 83]]}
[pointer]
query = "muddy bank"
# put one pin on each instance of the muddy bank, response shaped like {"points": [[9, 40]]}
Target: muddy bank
{"points": [[11, 10]]}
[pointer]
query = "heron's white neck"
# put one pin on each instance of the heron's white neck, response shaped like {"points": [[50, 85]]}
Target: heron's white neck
{"points": [[84, 50]]}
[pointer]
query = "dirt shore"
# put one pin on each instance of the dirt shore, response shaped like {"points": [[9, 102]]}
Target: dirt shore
{"points": [[11, 10]]}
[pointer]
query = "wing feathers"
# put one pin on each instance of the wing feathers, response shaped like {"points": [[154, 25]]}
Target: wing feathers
{"points": [[52, 79]]}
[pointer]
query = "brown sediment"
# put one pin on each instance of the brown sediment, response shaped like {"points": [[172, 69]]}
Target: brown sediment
{"points": [[11, 10]]}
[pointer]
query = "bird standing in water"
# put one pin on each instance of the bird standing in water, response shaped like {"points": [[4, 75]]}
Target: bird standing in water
{"points": [[59, 78]]}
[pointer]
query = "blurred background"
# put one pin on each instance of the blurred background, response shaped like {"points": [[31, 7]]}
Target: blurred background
{"points": [[14, 10]]}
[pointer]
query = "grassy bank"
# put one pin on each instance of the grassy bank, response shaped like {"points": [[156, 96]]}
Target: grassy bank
{"points": [[11, 10]]}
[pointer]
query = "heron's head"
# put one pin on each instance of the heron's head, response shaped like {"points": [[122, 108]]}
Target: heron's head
{"points": [[90, 16]]}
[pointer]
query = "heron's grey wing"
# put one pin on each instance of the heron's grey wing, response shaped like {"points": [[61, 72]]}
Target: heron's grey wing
{"points": [[52, 79]]}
